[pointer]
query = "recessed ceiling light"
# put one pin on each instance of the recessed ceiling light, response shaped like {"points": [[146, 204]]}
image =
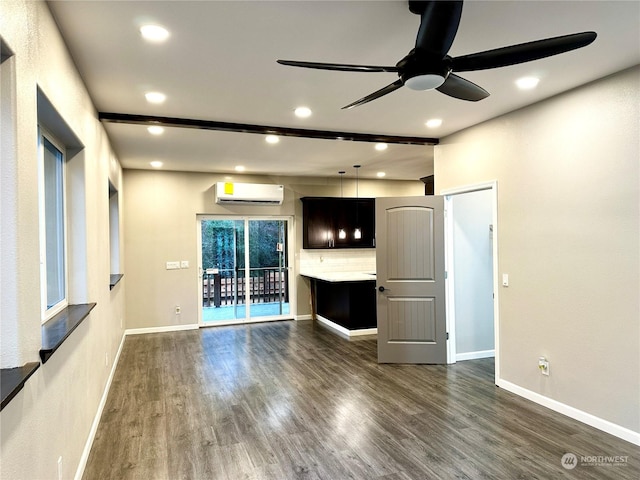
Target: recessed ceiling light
{"points": [[527, 83], [272, 139], [155, 130], [154, 33], [434, 123], [155, 97], [302, 112], [381, 146], [380, 174], [156, 164], [239, 168]]}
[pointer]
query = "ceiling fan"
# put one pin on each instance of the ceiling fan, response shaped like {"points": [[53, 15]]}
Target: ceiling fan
{"points": [[428, 66]]}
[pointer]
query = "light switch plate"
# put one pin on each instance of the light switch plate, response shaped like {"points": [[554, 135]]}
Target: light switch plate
{"points": [[184, 264], [173, 265], [505, 279]]}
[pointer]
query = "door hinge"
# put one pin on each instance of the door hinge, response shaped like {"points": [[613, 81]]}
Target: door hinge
{"points": [[446, 275], [447, 335]]}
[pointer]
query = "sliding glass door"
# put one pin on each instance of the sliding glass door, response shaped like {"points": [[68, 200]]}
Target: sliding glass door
{"points": [[244, 269]]}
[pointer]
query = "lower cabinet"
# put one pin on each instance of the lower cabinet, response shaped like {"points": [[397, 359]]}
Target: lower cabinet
{"points": [[351, 305]]}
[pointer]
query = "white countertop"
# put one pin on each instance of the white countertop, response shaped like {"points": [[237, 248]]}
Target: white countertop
{"points": [[340, 276]]}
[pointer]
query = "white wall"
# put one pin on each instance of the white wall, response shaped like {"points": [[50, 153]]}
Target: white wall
{"points": [[53, 415], [569, 227], [160, 209], [472, 216]]}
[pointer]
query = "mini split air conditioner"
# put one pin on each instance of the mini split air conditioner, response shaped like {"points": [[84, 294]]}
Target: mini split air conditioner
{"points": [[249, 193]]}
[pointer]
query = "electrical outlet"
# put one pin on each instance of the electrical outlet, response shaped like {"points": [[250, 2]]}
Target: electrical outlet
{"points": [[543, 365], [59, 468], [177, 309]]}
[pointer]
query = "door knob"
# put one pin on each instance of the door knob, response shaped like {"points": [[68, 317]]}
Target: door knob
{"points": [[381, 288]]}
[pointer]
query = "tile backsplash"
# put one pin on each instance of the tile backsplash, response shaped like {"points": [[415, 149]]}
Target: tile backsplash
{"points": [[343, 260]]}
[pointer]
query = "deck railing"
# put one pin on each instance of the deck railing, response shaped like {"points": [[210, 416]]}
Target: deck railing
{"points": [[228, 287]]}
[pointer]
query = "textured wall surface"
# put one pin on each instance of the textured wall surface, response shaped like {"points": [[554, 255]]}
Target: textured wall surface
{"points": [[569, 227], [52, 416]]}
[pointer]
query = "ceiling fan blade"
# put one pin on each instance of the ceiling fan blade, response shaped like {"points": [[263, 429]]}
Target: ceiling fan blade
{"points": [[461, 88], [338, 66], [438, 26], [524, 52], [377, 94]]}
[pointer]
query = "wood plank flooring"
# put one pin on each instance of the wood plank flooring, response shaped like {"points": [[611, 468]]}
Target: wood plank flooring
{"points": [[291, 400]]}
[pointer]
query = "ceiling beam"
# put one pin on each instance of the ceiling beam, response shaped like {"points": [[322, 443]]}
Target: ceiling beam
{"points": [[261, 129]]}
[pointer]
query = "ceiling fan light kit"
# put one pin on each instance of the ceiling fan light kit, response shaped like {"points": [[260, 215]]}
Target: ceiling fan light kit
{"points": [[428, 81], [428, 66]]}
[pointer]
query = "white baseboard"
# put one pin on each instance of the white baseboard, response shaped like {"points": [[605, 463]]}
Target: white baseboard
{"points": [[98, 416], [345, 332], [584, 417], [170, 328], [306, 316], [475, 355]]}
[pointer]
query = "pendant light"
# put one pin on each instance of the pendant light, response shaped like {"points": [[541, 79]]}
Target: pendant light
{"points": [[342, 234], [357, 233]]}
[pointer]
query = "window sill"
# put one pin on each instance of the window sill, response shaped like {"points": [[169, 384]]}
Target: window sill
{"points": [[58, 329], [13, 379], [114, 279]]}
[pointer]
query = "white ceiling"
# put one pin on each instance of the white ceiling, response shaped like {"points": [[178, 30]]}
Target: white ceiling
{"points": [[219, 64]]}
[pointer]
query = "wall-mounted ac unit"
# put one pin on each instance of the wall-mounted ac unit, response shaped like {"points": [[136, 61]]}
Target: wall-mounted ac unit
{"points": [[249, 193]]}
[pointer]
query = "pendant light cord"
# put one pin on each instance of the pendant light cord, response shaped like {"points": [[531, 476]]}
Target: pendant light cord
{"points": [[357, 167]]}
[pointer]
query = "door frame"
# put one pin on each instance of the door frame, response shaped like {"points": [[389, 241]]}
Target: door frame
{"points": [[290, 262], [450, 281]]}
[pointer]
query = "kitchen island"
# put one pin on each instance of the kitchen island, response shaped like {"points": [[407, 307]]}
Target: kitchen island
{"points": [[344, 301]]}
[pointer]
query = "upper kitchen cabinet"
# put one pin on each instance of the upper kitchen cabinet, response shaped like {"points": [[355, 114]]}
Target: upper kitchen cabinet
{"points": [[324, 218]]}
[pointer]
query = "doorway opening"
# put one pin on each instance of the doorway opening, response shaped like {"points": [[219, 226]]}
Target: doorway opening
{"points": [[244, 269], [472, 273]]}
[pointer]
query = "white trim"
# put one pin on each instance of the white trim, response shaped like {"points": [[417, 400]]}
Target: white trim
{"points": [[475, 355], [449, 283], [47, 313], [199, 271], [96, 419], [306, 316], [584, 417], [493, 186], [345, 332], [170, 328]]}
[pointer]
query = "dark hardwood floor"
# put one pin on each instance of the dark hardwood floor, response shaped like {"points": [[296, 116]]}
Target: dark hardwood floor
{"points": [[291, 400]]}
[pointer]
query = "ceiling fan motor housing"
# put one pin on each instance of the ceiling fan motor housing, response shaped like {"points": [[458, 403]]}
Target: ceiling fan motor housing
{"points": [[417, 6]]}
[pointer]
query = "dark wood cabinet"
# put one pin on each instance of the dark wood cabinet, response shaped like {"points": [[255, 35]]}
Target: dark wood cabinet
{"points": [[324, 217], [351, 305]]}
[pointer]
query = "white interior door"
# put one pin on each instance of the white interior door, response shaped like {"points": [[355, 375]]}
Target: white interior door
{"points": [[410, 267]]}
